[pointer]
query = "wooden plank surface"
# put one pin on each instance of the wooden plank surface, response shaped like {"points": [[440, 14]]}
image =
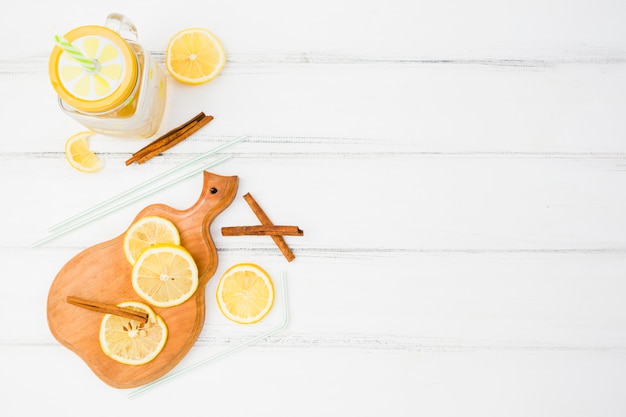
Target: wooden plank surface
{"points": [[457, 169]]}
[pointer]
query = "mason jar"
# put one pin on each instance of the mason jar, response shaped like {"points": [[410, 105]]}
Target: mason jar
{"points": [[122, 93]]}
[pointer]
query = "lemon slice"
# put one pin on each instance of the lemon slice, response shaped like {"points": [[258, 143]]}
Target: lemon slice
{"points": [[148, 231], [165, 275], [132, 342], [194, 56], [78, 154], [245, 293]]}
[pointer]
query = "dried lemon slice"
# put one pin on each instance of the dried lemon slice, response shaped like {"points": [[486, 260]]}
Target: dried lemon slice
{"points": [[165, 275], [245, 293], [132, 342], [148, 231]]}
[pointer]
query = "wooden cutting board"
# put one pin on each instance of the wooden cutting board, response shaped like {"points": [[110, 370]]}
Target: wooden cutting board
{"points": [[102, 273]]}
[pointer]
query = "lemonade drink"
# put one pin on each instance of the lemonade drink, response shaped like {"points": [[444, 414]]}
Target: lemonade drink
{"points": [[124, 95]]}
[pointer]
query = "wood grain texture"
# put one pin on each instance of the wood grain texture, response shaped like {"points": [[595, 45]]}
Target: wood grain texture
{"points": [[101, 272], [457, 168]]}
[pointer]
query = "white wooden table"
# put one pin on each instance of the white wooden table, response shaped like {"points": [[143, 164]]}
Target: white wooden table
{"points": [[457, 168]]}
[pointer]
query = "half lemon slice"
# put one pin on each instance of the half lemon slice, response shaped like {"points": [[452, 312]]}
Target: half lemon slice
{"points": [[79, 155]]}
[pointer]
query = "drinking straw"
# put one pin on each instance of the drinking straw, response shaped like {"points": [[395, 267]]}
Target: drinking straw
{"points": [[129, 201], [87, 63], [127, 193], [220, 355]]}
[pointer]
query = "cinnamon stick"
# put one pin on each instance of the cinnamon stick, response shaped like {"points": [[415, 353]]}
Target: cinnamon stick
{"points": [[169, 139], [108, 309], [163, 139], [176, 138], [264, 230], [260, 214]]}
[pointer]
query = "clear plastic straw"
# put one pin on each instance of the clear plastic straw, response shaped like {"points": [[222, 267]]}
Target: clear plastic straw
{"points": [[220, 355], [126, 193], [128, 201]]}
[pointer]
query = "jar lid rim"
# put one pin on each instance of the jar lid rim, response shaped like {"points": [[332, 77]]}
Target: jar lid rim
{"points": [[125, 84]]}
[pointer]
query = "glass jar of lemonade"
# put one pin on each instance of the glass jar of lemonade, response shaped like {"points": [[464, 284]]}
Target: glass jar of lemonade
{"points": [[107, 81]]}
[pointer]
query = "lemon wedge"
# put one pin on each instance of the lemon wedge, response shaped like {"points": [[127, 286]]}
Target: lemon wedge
{"points": [[79, 155]]}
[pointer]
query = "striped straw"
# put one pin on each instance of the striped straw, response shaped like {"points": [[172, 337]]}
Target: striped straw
{"points": [[75, 53]]}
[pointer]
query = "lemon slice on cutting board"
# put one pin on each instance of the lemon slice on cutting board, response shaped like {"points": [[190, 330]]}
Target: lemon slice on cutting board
{"points": [[165, 275], [194, 56], [132, 342], [148, 231], [245, 293]]}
